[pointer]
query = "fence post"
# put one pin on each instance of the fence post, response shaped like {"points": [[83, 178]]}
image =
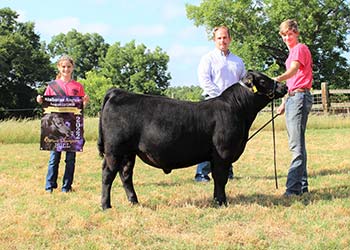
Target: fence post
{"points": [[325, 97]]}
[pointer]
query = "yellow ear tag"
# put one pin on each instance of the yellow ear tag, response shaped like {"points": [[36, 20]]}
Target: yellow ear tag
{"points": [[254, 89]]}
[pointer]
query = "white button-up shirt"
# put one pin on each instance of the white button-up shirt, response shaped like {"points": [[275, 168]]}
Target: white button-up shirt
{"points": [[217, 72]]}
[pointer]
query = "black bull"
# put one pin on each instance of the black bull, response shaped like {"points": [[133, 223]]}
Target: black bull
{"points": [[171, 134]]}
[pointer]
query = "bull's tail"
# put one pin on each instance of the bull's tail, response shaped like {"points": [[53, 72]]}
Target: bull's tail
{"points": [[100, 141]]}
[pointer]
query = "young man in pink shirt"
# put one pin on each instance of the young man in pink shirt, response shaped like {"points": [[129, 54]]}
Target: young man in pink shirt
{"points": [[297, 105]]}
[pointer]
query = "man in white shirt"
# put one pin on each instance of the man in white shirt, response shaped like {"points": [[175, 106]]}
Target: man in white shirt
{"points": [[218, 70]]}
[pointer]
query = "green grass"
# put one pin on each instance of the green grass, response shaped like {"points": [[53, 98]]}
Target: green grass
{"points": [[174, 211]]}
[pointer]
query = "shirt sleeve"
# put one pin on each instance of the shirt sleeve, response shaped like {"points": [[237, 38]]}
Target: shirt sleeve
{"points": [[299, 55], [243, 73], [205, 78], [81, 90], [49, 91]]}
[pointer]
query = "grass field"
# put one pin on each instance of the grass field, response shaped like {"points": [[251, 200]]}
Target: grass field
{"points": [[174, 211]]}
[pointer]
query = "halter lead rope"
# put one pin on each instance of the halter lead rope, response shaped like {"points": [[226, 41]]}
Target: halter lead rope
{"points": [[274, 143], [271, 96], [273, 136]]}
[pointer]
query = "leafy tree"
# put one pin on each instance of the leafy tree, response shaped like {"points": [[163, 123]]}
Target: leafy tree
{"points": [[186, 93], [87, 50], [24, 65], [95, 86], [136, 68], [324, 27]]}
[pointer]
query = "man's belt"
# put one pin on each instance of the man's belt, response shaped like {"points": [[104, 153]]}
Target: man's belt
{"points": [[293, 92]]}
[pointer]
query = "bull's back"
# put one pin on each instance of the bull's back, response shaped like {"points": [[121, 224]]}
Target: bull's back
{"points": [[162, 131]]}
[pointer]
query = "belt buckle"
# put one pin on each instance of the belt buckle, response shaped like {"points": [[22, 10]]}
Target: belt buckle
{"points": [[291, 93]]}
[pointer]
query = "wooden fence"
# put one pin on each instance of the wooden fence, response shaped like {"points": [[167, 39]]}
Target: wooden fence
{"points": [[331, 101], [326, 101]]}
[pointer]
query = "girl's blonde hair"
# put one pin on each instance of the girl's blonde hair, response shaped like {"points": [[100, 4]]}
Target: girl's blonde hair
{"points": [[60, 60], [287, 25]]}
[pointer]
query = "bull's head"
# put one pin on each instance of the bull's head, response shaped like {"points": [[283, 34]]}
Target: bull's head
{"points": [[264, 85], [59, 125]]}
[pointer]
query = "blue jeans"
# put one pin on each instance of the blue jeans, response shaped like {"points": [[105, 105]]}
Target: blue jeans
{"points": [[52, 171], [203, 168], [297, 111]]}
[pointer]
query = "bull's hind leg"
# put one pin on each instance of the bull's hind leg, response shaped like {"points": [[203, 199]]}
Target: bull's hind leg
{"points": [[109, 171], [126, 174]]}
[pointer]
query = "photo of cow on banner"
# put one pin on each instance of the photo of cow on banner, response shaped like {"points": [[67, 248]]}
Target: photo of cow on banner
{"points": [[62, 124]]}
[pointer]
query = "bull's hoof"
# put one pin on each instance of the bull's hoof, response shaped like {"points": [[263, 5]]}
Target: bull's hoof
{"points": [[166, 171], [105, 207], [220, 203], [134, 201]]}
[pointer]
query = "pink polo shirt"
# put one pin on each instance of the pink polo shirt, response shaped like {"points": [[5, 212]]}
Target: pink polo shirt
{"points": [[303, 78], [71, 88]]}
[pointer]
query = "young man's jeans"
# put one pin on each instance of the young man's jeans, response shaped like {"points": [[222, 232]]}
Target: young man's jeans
{"points": [[52, 172], [203, 168], [297, 111]]}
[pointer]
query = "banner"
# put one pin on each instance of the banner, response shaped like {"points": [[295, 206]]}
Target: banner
{"points": [[62, 124]]}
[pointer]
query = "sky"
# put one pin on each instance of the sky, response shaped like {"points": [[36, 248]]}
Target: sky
{"points": [[153, 23]]}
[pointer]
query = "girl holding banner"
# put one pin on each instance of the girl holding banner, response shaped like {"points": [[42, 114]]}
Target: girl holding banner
{"points": [[64, 85]]}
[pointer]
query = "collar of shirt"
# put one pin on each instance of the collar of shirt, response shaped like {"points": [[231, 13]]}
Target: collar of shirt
{"points": [[222, 53]]}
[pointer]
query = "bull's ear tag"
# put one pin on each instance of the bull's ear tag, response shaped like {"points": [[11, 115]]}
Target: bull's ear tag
{"points": [[249, 83], [254, 89]]}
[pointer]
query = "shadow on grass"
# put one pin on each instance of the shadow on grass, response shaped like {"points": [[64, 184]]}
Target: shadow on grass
{"points": [[314, 174], [324, 194], [265, 200], [326, 172], [159, 184], [168, 182]]}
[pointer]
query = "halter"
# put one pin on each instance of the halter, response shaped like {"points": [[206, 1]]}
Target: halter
{"points": [[253, 88], [271, 95]]}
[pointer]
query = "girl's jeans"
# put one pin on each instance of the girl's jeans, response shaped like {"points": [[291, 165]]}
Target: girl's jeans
{"points": [[52, 171]]}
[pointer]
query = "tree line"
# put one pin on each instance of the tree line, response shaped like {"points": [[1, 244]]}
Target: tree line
{"points": [[27, 63], [324, 27]]}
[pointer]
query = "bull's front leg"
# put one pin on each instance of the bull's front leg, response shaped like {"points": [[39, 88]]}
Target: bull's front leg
{"points": [[108, 175], [220, 176], [126, 174]]}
